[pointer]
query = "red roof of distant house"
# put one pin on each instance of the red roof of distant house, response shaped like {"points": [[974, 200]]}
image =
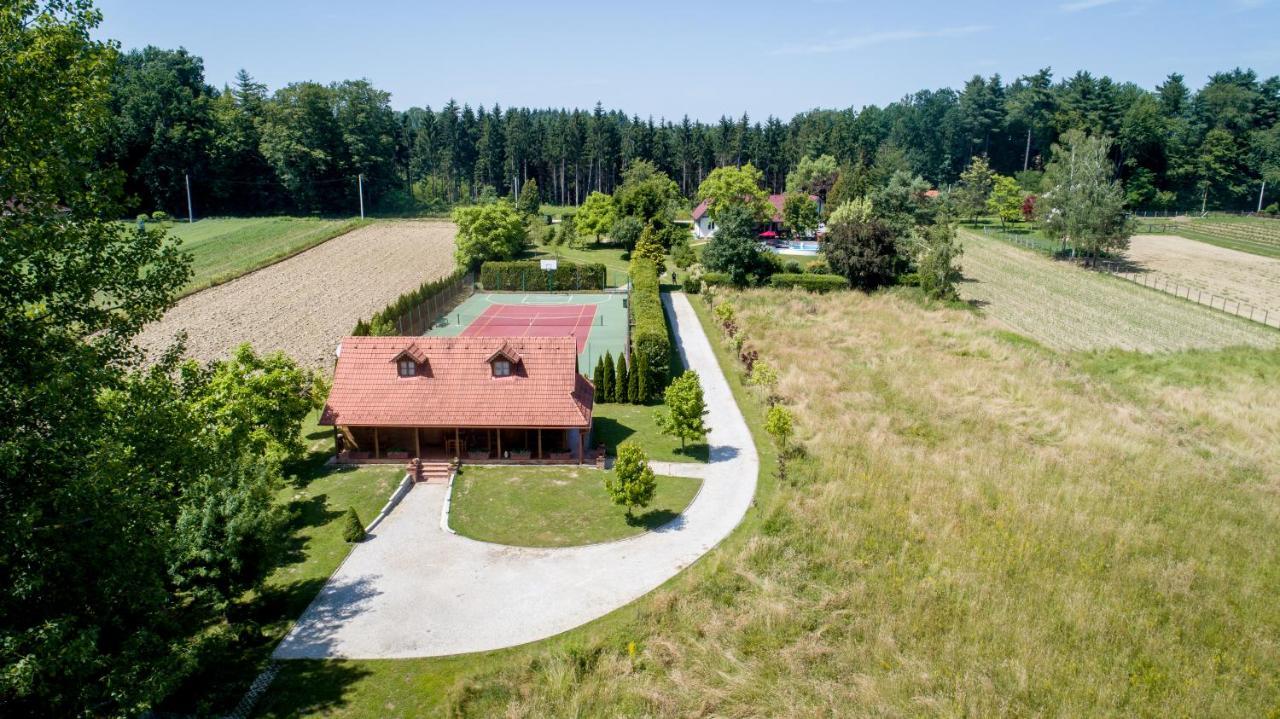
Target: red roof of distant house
{"points": [[455, 386], [777, 200], [931, 194]]}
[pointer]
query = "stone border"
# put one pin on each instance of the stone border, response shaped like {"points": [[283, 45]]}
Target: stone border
{"points": [[406, 484]]}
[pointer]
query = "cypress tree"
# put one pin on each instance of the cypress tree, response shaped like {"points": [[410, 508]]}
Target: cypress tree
{"points": [[606, 390], [642, 384], [622, 385], [633, 386], [598, 380]]}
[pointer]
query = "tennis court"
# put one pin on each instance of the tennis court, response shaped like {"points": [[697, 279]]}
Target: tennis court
{"points": [[598, 321]]}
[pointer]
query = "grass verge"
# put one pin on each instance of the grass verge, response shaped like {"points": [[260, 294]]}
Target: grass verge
{"points": [[555, 506]]}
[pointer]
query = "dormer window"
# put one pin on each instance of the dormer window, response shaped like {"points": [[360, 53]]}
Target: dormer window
{"points": [[502, 368], [407, 367]]}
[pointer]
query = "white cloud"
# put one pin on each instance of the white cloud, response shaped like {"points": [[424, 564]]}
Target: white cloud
{"points": [[1078, 5], [856, 42]]}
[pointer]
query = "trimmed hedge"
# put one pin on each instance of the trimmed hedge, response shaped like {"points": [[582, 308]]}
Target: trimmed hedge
{"points": [[650, 342], [526, 275], [810, 282], [384, 322]]}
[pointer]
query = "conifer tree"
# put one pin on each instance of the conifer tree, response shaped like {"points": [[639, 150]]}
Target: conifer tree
{"points": [[642, 382], [598, 380], [622, 385], [633, 385], [606, 389]]}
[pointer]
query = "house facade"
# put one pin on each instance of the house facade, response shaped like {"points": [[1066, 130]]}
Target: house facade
{"points": [[704, 227], [483, 399]]}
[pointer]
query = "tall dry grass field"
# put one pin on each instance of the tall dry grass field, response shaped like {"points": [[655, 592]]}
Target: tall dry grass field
{"points": [[982, 527]]}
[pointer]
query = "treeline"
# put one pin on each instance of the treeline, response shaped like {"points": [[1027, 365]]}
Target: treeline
{"points": [[301, 148]]}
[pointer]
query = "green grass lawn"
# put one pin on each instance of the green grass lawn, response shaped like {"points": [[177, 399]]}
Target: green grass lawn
{"points": [[617, 422], [317, 500], [225, 248], [555, 506], [604, 253]]}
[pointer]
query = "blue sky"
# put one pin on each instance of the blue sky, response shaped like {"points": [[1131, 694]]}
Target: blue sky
{"points": [[705, 59]]}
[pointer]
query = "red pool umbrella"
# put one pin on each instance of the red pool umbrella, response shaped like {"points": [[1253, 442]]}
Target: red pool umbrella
{"points": [[769, 234]]}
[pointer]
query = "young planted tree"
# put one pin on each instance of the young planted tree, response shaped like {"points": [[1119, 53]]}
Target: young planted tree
{"points": [[610, 376], [352, 527], [799, 214], [686, 409], [596, 216], [764, 376], [1006, 200], [633, 384], [622, 383], [631, 484], [935, 254], [779, 423], [597, 379]]}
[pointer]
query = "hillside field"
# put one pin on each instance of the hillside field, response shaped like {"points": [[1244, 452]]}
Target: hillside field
{"points": [[1256, 235], [225, 248], [1070, 308]]}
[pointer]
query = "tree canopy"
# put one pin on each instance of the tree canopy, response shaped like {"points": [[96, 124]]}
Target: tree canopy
{"points": [[488, 232], [728, 187], [1085, 206]]}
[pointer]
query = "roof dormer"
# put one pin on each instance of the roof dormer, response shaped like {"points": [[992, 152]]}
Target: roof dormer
{"points": [[503, 362], [410, 362]]}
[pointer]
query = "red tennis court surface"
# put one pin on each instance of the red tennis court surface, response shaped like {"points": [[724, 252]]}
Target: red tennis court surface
{"points": [[534, 321]]}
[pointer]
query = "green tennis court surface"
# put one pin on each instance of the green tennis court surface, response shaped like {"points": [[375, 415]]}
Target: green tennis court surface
{"points": [[597, 320]]}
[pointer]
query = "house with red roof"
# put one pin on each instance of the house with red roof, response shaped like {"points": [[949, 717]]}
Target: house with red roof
{"points": [[704, 227], [474, 398]]}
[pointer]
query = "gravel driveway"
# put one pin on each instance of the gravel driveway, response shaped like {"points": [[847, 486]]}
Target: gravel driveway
{"points": [[304, 305], [414, 590]]}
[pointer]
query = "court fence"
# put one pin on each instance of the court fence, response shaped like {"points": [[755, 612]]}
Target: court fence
{"points": [[424, 315]]}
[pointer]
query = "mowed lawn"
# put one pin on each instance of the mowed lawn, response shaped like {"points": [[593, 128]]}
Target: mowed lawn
{"points": [[554, 506], [1071, 308], [225, 248], [617, 423]]}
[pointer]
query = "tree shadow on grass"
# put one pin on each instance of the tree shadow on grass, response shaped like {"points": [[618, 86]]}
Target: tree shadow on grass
{"points": [[309, 512], [611, 432], [652, 519], [308, 687]]}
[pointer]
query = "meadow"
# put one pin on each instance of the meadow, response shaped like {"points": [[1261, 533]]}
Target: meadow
{"points": [[1256, 235], [225, 248], [1072, 308]]}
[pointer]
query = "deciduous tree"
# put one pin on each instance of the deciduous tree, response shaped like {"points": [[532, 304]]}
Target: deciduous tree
{"points": [[1006, 200], [799, 214], [686, 409], [632, 483], [728, 187], [596, 216], [488, 232]]}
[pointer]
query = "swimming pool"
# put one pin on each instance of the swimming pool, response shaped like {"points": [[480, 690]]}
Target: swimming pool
{"points": [[806, 248]]}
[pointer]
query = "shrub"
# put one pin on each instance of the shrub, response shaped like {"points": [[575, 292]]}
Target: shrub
{"points": [[1272, 209], [352, 527], [649, 340], [812, 283], [817, 267], [529, 275], [160, 216], [384, 322], [792, 267], [716, 279]]}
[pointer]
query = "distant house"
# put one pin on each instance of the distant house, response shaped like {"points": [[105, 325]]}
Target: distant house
{"points": [[704, 226], [475, 398]]}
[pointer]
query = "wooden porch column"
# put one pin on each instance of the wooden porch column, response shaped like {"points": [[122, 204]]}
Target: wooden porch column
{"points": [[579, 446], [417, 444], [499, 433], [457, 442], [376, 453], [539, 443]]}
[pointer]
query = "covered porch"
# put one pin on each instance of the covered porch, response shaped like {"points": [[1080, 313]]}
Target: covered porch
{"points": [[489, 445]]}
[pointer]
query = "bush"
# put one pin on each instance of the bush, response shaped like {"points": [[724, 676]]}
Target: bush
{"points": [[817, 267], [1272, 209], [649, 339], [812, 283], [717, 279], [160, 216], [792, 267], [352, 527], [384, 322], [529, 275]]}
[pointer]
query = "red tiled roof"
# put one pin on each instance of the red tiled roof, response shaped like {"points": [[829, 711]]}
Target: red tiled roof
{"points": [[456, 387], [777, 200]]}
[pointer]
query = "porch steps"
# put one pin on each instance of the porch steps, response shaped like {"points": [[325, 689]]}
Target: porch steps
{"points": [[433, 472]]}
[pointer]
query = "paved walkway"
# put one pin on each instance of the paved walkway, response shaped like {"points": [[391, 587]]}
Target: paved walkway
{"points": [[414, 590]]}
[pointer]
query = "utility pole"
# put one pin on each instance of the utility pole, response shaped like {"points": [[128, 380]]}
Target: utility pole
{"points": [[191, 215], [360, 191], [1026, 156], [1260, 193]]}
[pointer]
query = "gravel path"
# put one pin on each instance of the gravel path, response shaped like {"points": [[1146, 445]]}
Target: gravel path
{"points": [[414, 590], [307, 303]]}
